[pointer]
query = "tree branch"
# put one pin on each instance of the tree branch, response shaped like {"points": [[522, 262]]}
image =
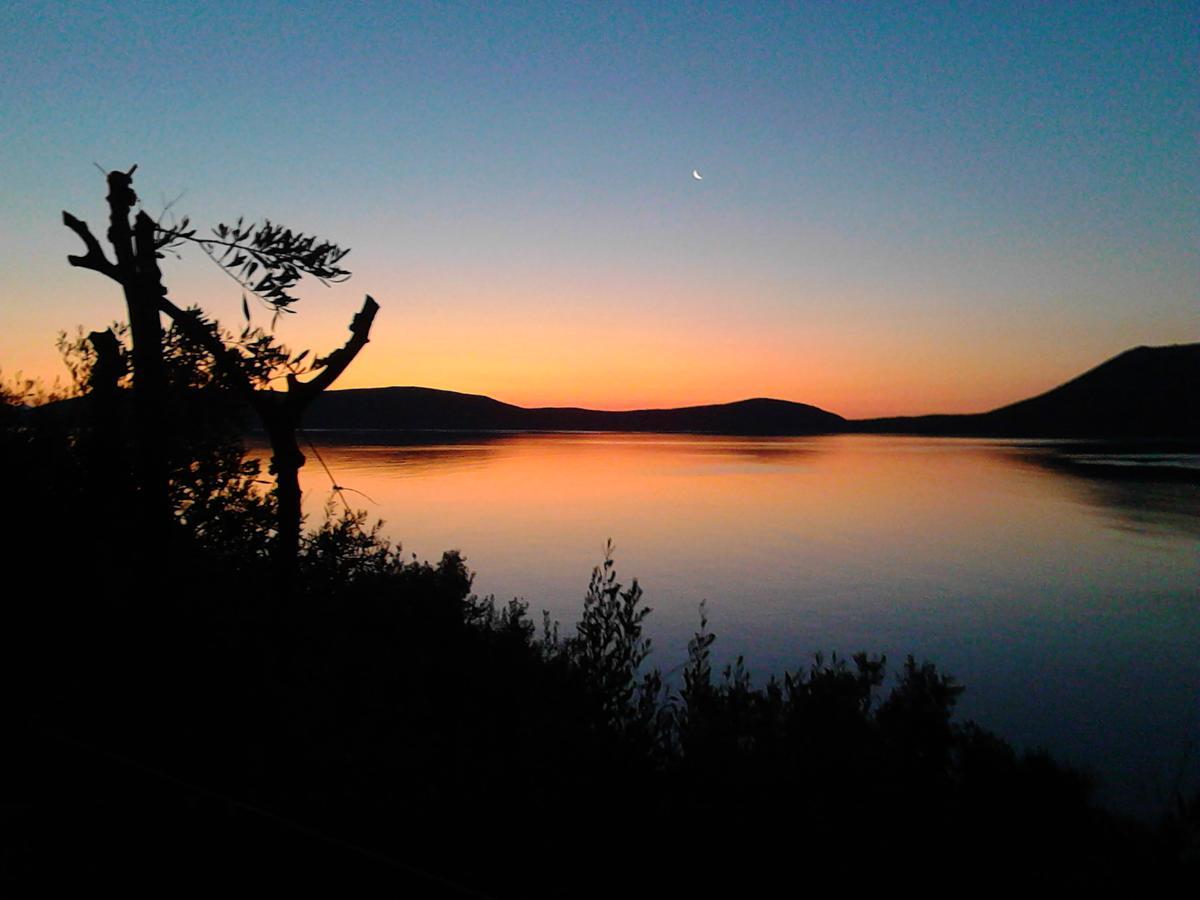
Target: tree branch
{"points": [[228, 360], [245, 287], [94, 259], [234, 245], [337, 361]]}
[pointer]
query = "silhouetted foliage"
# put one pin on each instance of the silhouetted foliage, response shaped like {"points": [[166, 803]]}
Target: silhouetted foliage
{"points": [[609, 648], [217, 495], [267, 259], [247, 365]]}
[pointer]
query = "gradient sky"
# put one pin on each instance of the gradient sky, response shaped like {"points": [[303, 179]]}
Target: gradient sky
{"points": [[906, 208]]}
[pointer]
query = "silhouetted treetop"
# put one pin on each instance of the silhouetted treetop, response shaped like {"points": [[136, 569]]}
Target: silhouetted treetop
{"points": [[267, 260]]}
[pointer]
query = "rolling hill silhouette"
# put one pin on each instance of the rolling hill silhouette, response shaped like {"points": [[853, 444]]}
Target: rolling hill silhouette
{"points": [[416, 408], [1146, 392], [1143, 392]]}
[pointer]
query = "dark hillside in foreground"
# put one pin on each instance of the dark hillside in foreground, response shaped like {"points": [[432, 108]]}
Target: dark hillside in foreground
{"points": [[1143, 392], [415, 408]]}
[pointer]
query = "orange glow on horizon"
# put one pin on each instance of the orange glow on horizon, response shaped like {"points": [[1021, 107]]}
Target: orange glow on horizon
{"points": [[662, 346], [654, 367]]}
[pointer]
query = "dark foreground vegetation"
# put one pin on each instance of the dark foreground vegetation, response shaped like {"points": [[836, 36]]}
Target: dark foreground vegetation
{"points": [[184, 723]]}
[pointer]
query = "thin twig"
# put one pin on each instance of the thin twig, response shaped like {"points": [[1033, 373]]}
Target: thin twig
{"points": [[334, 486]]}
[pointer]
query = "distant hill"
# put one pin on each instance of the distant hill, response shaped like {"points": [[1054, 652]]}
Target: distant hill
{"points": [[1143, 392], [1147, 392], [415, 408]]}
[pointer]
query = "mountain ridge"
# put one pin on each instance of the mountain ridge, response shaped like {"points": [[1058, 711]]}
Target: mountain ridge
{"points": [[1142, 392], [420, 409]]}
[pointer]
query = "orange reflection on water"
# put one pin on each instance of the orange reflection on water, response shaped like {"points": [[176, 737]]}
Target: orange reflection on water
{"points": [[804, 514]]}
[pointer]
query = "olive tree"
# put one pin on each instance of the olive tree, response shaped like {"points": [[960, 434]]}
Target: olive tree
{"points": [[268, 261]]}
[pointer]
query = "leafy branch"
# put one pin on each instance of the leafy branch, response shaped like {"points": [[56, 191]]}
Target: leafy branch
{"points": [[267, 260]]}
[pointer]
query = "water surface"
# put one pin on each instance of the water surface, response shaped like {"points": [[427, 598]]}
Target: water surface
{"points": [[1068, 605]]}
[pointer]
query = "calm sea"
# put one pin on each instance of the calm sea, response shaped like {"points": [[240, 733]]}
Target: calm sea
{"points": [[1068, 604]]}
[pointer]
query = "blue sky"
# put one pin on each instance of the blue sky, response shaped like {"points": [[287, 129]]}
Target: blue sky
{"points": [[905, 207]]}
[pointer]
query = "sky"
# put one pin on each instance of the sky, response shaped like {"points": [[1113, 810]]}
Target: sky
{"points": [[905, 208]]}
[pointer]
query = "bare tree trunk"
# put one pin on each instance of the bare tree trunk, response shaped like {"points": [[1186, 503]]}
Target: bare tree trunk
{"points": [[286, 460], [137, 271], [104, 409]]}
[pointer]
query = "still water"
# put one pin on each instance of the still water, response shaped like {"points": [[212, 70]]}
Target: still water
{"points": [[1068, 605]]}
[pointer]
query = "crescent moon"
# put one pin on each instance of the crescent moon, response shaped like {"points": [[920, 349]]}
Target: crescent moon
{"points": [[697, 175]]}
